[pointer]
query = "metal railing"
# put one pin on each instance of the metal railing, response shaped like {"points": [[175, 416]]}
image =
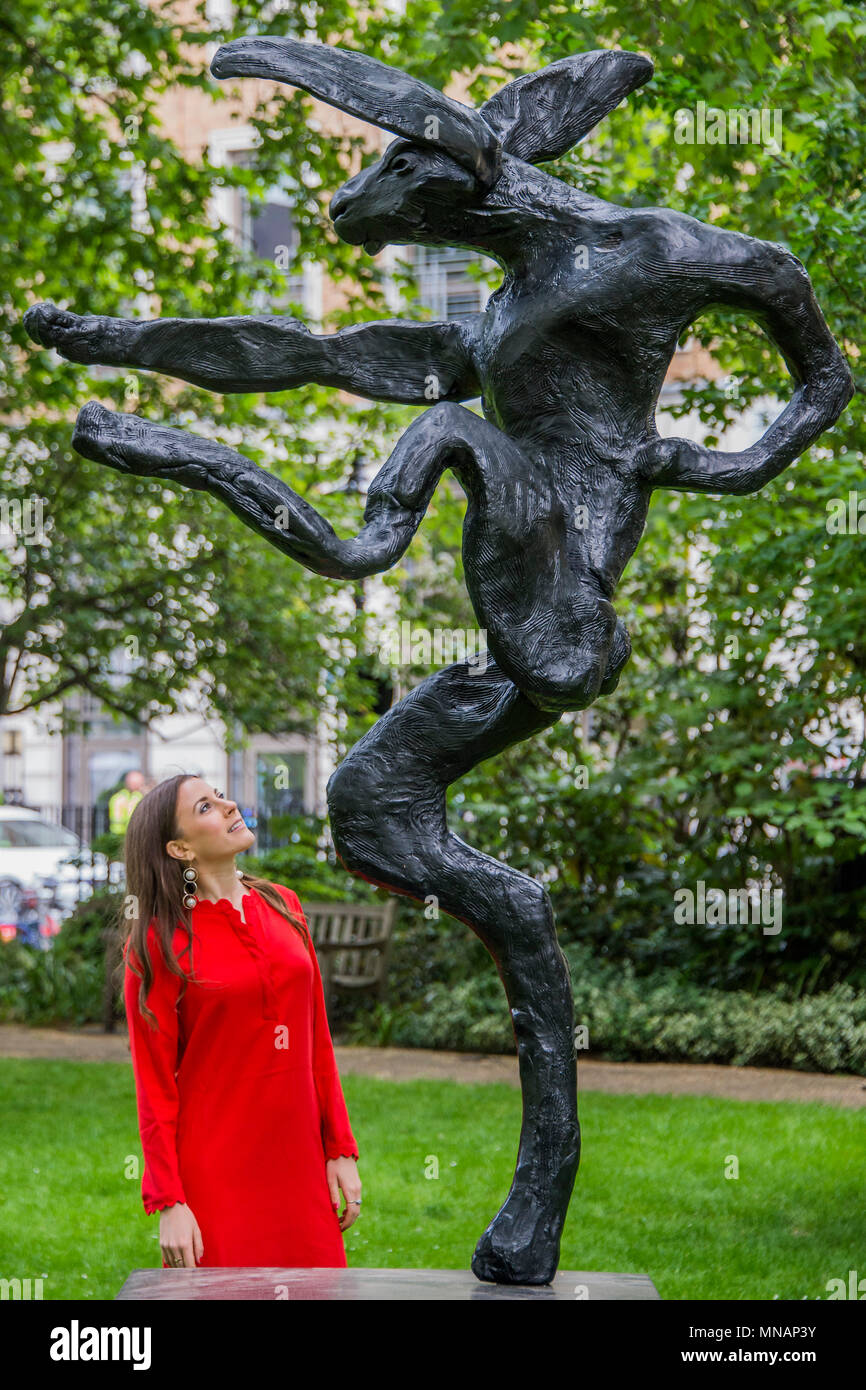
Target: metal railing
{"points": [[99, 861]]}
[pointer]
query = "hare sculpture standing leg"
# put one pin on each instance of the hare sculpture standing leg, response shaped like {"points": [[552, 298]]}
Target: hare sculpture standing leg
{"points": [[568, 358]]}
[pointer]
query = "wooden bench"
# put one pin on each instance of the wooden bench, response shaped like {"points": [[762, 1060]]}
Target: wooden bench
{"points": [[353, 943]]}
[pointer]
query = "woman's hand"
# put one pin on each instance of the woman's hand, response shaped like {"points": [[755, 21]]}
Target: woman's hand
{"points": [[179, 1236], [342, 1175]]}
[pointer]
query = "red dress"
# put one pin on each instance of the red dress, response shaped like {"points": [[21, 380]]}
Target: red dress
{"points": [[239, 1100]]}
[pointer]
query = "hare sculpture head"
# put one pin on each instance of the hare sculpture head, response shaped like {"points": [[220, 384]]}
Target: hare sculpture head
{"points": [[454, 175]]}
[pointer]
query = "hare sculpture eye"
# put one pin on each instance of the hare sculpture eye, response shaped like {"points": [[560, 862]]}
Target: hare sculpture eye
{"points": [[402, 165]]}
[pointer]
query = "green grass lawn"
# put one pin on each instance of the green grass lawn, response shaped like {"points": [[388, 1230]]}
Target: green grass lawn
{"points": [[651, 1195]]}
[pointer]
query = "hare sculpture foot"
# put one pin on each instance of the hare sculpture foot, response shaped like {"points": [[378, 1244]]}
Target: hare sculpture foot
{"points": [[521, 1244]]}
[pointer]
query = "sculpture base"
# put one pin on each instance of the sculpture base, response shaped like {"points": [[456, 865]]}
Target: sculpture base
{"points": [[351, 1285]]}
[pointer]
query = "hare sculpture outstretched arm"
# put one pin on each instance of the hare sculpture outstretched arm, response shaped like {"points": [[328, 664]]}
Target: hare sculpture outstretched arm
{"points": [[568, 357]]}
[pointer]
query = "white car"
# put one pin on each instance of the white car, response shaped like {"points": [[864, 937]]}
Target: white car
{"points": [[34, 853]]}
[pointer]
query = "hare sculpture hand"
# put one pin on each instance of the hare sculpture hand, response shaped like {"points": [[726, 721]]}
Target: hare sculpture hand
{"points": [[568, 358]]}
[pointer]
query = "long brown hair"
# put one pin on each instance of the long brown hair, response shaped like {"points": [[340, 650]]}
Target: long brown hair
{"points": [[155, 888]]}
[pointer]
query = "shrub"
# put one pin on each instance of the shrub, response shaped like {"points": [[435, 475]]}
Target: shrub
{"points": [[652, 1018]]}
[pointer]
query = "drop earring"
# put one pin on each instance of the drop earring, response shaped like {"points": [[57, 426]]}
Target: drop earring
{"points": [[189, 887]]}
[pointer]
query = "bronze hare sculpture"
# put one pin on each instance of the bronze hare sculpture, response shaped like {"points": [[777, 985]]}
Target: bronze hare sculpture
{"points": [[568, 358]]}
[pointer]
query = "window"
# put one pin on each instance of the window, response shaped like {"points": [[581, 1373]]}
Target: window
{"points": [[445, 284], [101, 745], [269, 231], [265, 229], [106, 769], [12, 743], [280, 783], [98, 721]]}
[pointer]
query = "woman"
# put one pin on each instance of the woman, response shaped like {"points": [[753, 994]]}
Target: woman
{"points": [[244, 1128]]}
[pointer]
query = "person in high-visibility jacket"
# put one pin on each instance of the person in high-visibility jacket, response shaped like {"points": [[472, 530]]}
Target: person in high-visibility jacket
{"points": [[124, 802]]}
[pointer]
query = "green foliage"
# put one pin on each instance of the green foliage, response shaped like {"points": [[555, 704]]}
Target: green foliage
{"points": [[444, 991], [64, 985], [163, 575], [48, 988], [639, 1019], [70, 1176], [83, 932], [108, 843], [748, 667]]}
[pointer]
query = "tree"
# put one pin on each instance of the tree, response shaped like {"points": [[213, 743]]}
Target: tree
{"points": [[746, 667], [134, 590]]}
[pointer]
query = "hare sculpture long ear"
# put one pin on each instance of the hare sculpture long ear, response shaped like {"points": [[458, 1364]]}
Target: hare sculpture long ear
{"points": [[542, 114], [371, 90]]}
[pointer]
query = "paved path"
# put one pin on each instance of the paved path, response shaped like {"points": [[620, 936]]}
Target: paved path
{"points": [[410, 1063]]}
